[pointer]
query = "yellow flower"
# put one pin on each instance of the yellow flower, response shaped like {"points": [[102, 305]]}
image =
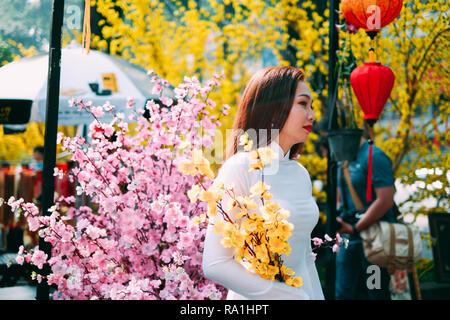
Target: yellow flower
{"points": [[267, 195], [266, 155], [283, 214], [287, 271], [212, 210], [243, 139], [297, 282], [272, 271], [248, 146], [262, 253], [239, 239], [249, 225], [269, 209], [241, 213], [199, 219], [226, 242], [253, 155], [256, 166], [219, 226], [230, 229], [248, 202], [232, 203], [205, 169], [285, 229], [199, 162], [197, 157], [258, 189], [193, 193], [211, 195], [276, 245], [188, 168], [240, 253], [263, 270]]}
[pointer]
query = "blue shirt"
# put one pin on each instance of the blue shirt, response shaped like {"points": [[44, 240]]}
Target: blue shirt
{"points": [[382, 176]]}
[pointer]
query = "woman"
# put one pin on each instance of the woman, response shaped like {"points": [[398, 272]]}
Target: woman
{"points": [[351, 265], [276, 101]]}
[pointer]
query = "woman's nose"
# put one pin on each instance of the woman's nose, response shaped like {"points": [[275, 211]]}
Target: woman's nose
{"points": [[312, 115]]}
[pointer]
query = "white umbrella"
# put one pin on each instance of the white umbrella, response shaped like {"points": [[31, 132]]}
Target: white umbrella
{"points": [[26, 79]]}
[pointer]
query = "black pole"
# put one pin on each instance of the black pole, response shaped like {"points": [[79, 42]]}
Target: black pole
{"points": [[331, 225], [51, 128]]}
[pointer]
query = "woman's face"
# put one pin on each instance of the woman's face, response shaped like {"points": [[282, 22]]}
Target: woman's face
{"points": [[301, 118]]}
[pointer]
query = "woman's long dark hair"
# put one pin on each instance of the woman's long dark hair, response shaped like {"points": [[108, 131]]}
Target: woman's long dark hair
{"points": [[265, 105]]}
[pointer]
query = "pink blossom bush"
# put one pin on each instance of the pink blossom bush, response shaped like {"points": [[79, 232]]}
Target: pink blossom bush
{"points": [[140, 239]]}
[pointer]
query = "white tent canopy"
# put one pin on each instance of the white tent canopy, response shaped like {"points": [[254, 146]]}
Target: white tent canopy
{"points": [[27, 79]]}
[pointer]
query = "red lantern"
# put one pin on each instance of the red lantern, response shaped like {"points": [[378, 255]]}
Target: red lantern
{"points": [[372, 84], [371, 15]]}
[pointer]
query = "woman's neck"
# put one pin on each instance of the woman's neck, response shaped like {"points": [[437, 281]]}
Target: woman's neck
{"points": [[283, 144]]}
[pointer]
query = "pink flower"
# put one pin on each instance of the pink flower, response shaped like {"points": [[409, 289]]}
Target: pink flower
{"points": [[338, 238], [137, 233], [109, 131], [19, 259], [185, 240], [183, 222], [335, 248], [327, 237], [15, 204], [97, 111], [33, 223], [317, 241], [314, 255], [58, 173], [39, 258], [27, 257], [166, 101], [351, 28], [94, 232], [157, 88], [180, 93], [82, 224]]}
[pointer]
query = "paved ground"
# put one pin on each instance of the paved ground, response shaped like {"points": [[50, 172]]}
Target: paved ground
{"points": [[19, 292]]}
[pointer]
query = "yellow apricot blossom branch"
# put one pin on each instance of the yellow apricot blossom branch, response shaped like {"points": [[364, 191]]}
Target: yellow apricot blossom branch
{"points": [[259, 240]]}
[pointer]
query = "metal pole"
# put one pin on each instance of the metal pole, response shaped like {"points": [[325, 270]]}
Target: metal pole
{"points": [[331, 225], [51, 128]]}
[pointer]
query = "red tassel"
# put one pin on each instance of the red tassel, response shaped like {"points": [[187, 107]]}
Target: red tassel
{"points": [[369, 171], [446, 130]]}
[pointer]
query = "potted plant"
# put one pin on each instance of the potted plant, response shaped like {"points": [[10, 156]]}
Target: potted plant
{"points": [[344, 142]]}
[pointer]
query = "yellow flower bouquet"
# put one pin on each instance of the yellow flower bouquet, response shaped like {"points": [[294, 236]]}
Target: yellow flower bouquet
{"points": [[259, 240]]}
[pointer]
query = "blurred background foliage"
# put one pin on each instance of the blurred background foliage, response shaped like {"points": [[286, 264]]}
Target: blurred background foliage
{"points": [[199, 37]]}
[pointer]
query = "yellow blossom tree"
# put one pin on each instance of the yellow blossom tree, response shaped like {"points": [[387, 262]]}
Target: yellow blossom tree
{"points": [[187, 37]]}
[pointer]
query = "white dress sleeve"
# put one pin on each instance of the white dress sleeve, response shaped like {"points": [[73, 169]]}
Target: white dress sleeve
{"points": [[219, 264]]}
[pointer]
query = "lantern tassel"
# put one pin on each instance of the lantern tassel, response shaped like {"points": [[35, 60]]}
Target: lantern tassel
{"points": [[369, 169], [86, 38]]}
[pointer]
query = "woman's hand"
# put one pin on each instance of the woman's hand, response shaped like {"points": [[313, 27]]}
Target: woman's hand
{"points": [[345, 227]]}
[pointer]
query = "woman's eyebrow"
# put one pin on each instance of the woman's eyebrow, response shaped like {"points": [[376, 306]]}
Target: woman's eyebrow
{"points": [[305, 95]]}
